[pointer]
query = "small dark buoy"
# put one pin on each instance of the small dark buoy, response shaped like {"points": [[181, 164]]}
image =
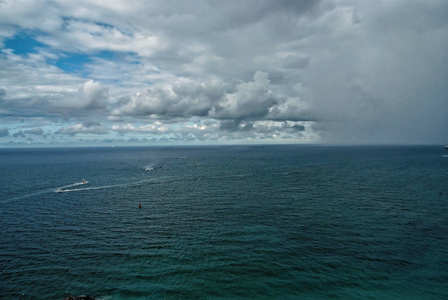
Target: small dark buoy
{"points": [[139, 205]]}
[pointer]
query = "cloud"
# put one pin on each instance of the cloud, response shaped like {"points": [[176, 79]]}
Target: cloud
{"points": [[303, 71], [4, 131], [154, 128], [19, 134], [84, 36], [383, 87], [251, 100], [34, 131], [93, 96], [235, 125], [34, 88], [186, 100], [24, 133], [84, 128]]}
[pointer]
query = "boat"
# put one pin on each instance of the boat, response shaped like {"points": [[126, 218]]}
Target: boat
{"points": [[446, 147], [58, 191], [84, 181]]}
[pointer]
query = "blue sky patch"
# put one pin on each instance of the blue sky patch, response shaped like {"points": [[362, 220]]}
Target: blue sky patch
{"points": [[73, 62], [23, 43]]}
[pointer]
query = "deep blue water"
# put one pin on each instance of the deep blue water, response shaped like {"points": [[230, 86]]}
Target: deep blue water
{"points": [[272, 222]]}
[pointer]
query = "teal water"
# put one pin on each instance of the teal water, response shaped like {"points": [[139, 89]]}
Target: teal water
{"points": [[258, 222]]}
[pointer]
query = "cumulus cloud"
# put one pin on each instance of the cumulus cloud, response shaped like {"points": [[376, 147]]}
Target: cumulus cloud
{"points": [[305, 71], [19, 134], [93, 96], [24, 133], [251, 100], [84, 128], [185, 100]]}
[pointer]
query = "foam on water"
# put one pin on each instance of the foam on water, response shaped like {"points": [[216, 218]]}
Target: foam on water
{"points": [[73, 185]]}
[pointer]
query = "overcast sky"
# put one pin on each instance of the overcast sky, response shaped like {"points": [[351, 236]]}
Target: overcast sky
{"points": [[108, 72]]}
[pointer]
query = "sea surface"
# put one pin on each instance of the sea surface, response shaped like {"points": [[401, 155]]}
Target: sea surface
{"points": [[227, 222]]}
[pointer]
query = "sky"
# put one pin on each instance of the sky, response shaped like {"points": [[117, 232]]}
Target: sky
{"points": [[106, 73]]}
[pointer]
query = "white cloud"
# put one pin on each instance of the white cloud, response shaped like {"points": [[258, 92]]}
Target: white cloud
{"points": [[93, 96], [154, 128], [86, 37], [251, 100], [371, 72], [186, 100], [34, 88], [84, 128]]}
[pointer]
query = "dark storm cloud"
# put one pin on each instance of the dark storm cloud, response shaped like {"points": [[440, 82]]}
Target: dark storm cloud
{"points": [[386, 82], [298, 127], [4, 131]]}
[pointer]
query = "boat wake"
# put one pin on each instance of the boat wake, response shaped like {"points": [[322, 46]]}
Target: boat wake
{"points": [[152, 167], [25, 196], [45, 191], [121, 185], [65, 187], [75, 187]]}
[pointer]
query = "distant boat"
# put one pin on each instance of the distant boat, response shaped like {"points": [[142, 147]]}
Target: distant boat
{"points": [[58, 191], [446, 147], [84, 181], [152, 168]]}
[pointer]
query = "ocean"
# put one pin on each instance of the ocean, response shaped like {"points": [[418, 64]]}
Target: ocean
{"points": [[224, 222]]}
